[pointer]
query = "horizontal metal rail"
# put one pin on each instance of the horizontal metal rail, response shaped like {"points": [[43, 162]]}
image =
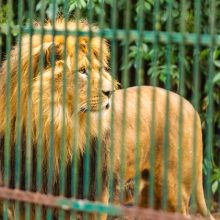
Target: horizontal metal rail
{"points": [[86, 206], [148, 36]]}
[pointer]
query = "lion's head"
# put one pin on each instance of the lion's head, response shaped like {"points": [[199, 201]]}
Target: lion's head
{"points": [[58, 90]]}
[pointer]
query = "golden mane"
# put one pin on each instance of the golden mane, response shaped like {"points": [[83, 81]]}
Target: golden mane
{"points": [[65, 107]]}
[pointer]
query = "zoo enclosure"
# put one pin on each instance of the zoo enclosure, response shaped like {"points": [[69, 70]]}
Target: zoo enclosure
{"points": [[163, 43]]}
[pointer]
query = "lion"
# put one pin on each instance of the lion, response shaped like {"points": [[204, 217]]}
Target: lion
{"points": [[173, 116], [47, 107], [80, 67]]}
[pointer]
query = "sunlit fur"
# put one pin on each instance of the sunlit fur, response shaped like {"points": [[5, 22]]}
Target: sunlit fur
{"points": [[167, 137], [69, 109]]}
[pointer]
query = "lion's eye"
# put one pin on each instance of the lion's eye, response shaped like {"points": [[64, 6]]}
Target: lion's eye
{"points": [[84, 72]]}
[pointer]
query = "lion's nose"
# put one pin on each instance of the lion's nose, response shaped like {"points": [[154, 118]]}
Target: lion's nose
{"points": [[107, 93]]}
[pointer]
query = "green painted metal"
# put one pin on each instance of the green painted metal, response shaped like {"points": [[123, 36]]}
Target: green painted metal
{"points": [[125, 82], [121, 34], [113, 68], [148, 36], [182, 93], [152, 132]]}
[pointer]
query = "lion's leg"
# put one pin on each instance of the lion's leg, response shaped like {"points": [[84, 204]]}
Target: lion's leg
{"points": [[143, 201], [144, 196], [185, 201], [172, 197]]}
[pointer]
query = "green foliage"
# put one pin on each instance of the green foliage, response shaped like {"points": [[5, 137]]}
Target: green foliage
{"points": [[156, 67], [215, 180], [6, 22]]}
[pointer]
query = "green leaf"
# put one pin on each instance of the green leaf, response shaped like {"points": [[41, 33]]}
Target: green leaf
{"points": [[72, 7], [38, 6], [217, 63], [216, 56], [3, 28], [216, 78], [215, 186]]}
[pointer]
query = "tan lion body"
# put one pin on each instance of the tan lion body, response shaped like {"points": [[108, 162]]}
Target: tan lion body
{"points": [[184, 140]]}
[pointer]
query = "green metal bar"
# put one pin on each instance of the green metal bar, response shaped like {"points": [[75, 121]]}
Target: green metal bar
{"points": [[75, 110], [39, 152], [51, 140], [138, 82], [18, 114], [210, 111], [196, 96], [164, 202], [125, 83], [29, 150], [88, 116], [148, 36], [64, 100], [62, 176], [182, 93], [99, 140], [113, 72], [28, 155], [87, 159], [7, 172], [75, 161], [153, 82]]}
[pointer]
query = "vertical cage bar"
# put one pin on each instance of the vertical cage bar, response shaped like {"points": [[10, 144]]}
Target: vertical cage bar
{"points": [[125, 83], [210, 111], [75, 100], [18, 113], [51, 158], [113, 72], [39, 152], [154, 82], [75, 162], [86, 157], [62, 176], [182, 93], [196, 96], [99, 159], [7, 172], [63, 153], [138, 82], [88, 116], [166, 150], [28, 150]]}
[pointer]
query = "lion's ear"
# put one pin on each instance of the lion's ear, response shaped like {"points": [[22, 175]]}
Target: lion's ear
{"points": [[53, 53]]}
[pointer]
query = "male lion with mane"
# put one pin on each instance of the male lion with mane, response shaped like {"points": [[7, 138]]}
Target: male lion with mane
{"points": [[70, 111], [70, 114]]}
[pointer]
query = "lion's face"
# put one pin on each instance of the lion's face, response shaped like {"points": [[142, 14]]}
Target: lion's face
{"points": [[69, 77], [82, 66], [94, 90], [85, 88]]}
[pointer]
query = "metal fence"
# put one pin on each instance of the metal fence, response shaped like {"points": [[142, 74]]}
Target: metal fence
{"points": [[78, 140]]}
